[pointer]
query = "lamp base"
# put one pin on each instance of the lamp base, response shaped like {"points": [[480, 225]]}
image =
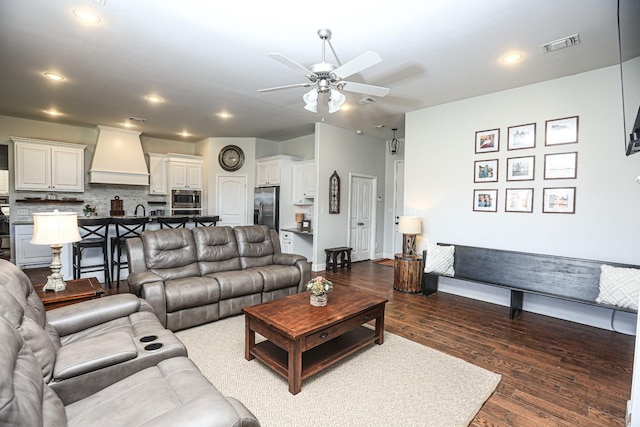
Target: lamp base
{"points": [[55, 282], [408, 244]]}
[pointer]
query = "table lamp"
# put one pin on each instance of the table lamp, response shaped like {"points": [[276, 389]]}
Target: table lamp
{"points": [[409, 226], [55, 229]]}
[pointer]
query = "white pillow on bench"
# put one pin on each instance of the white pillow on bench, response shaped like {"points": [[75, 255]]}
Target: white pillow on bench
{"points": [[439, 259], [619, 286]]}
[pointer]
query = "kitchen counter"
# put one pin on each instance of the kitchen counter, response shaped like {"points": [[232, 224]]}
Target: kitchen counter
{"points": [[298, 231], [151, 218]]}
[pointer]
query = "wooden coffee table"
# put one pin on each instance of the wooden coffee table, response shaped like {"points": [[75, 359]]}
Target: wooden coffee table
{"points": [[302, 340], [77, 291]]}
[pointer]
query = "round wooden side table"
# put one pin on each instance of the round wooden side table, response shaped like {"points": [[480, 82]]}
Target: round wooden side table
{"points": [[408, 273]]}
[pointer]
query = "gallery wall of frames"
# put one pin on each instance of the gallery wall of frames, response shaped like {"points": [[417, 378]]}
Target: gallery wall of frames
{"points": [[519, 164]]}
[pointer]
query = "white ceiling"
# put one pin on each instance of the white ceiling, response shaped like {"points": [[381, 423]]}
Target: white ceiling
{"points": [[203, 57]]}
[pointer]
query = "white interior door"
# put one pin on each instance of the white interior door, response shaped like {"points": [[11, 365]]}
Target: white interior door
{"points": [[362, 217], [398, 209], [232, 200]]}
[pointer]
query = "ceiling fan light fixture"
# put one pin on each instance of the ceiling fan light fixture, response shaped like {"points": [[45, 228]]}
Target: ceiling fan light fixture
{"points": [[336, 99], [311, 100]]}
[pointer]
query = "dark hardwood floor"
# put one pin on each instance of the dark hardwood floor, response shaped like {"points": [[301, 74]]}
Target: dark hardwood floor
{"points": [[554, 372]]}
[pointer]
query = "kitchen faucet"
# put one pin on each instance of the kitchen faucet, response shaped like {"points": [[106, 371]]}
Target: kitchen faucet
{"points": [[144, 212]]}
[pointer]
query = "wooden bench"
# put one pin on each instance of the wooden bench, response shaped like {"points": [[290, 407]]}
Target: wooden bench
{"points": [[332, 262], [570, 279]]}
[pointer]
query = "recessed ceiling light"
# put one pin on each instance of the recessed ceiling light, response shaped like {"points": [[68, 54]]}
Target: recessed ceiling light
{"points": [[53, 113], [87, 16], [224, 115], [184, 133], [512, 57], [345, 107], [54, 76], [154, 98]]}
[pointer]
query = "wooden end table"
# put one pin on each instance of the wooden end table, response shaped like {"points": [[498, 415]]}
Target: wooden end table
{"points": [[408, 273], [77, 291], [325, 335]]}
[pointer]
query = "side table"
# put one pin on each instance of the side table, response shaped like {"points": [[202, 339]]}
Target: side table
{"points": [[77, 291], [408, 273]]}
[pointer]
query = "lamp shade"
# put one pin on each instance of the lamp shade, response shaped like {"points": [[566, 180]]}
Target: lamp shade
{"points": [[311, 100], [409, 225], [55, 228]]}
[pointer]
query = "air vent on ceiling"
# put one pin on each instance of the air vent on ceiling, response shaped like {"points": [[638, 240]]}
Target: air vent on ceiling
{"points": [[560, 43], [365, 101], [137, 119]]}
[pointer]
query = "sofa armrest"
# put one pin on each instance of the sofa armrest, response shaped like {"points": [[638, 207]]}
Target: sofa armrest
{"points": [[153, 293], [137, 280], [77, 317], [287, 259], [80, 357], [135, 255]]}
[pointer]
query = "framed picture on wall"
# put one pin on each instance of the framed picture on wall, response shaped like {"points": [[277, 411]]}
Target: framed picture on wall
{"points": [[487, 141], [519, 200], [561, 165], [559, 200], [561, 131], [521, 168], [485, 170], [521, 137], [485, 200]]}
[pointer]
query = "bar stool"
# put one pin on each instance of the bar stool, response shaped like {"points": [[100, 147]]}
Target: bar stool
{"points": [[125, 228], [172, 222], [206, 221], [94, 233]]}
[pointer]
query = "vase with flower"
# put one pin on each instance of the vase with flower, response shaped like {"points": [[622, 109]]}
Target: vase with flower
{"points": [[318, 288]]}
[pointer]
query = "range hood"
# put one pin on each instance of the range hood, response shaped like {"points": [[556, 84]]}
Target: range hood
{"points": [[118, 158]]}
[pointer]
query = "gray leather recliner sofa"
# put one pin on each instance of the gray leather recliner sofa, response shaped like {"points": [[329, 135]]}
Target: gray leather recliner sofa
{"points": [[199, 275], [93, 373]]}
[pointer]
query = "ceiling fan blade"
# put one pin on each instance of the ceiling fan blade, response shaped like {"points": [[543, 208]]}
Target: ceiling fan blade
{"points": [[290, 63], [357, 64], [270, 89], [363, 88]]}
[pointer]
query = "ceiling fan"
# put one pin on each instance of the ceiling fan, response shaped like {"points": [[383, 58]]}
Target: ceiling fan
{"points": [[327, 78]]}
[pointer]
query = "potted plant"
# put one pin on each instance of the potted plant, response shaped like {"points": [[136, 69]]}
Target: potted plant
{"points": [[318, 288]]}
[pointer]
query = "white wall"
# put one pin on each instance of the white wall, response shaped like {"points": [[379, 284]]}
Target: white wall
{"points": [[389, 198], [345, 152], [439, 185]]}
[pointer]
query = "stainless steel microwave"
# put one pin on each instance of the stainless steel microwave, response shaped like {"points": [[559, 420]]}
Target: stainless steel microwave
{"points": [[186, 199]]}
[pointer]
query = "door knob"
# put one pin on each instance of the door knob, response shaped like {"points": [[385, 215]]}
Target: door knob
{"points": [[361, 223]]}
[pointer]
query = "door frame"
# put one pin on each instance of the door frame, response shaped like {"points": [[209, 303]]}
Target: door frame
{"points": [[374, 210], [394, 231]]}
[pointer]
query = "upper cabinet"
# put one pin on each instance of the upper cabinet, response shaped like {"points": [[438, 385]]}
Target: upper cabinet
{"points": [[269, 170], [185, 172], [4, 182], [303, 182], [158, 182], [48, 165]]}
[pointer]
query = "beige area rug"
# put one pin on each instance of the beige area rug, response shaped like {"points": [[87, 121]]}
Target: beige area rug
{"points": [[398, 383]]}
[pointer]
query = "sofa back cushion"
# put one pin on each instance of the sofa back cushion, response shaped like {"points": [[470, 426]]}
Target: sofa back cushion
{"points": [[217, 249], [25, 400], [254, 245], [170, 253]]}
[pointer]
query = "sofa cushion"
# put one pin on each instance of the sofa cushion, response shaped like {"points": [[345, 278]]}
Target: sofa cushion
{"points": [[254, 245], [170, 253], [216, 249], [278, 276], [191, 292], [238, 283]]}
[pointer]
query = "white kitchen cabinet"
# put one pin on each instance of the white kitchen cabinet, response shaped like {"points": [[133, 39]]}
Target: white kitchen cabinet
{"points": [[268, 172], [303, 182], [185, 172], [158, 182], [48, 165], [286, 242], [4, 182], [33, 256]]}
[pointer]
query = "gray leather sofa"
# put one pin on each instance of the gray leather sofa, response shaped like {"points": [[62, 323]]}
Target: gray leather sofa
{"points": [[94, 370], [199, 275]]}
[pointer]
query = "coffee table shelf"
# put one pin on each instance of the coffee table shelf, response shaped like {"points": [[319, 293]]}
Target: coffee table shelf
{"points": [[318, 358]]}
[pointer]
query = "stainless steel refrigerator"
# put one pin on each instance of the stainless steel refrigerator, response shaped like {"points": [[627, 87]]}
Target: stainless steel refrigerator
{"points": [[266, 206]]}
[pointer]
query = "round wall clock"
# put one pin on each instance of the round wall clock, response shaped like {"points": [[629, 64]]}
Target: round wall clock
{"points": [[231, 158]]}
